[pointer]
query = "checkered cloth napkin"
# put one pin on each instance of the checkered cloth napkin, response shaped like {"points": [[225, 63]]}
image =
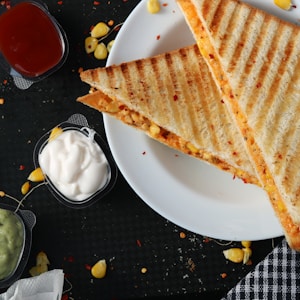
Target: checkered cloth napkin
{"points": [[276, 277]]}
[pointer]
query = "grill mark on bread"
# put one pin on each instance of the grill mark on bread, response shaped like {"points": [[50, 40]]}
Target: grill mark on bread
{"points": [[202, 75], [171, 111], [182, 94], [141, 89]]}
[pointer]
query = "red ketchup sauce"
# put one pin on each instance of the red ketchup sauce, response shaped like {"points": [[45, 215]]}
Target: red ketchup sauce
{"points": [[29, 40]]}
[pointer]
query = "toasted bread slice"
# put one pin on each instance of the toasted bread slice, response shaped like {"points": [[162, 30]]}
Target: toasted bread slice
{"points": [[175, 92], [255, 60]]}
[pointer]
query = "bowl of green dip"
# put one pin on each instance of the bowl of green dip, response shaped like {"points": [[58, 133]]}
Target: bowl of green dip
{"points": [[15, 242]]}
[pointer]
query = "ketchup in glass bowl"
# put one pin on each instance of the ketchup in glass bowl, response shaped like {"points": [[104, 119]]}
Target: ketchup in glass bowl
{"points": [[32, 44]]}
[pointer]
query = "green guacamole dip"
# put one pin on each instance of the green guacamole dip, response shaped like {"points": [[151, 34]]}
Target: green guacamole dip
{"points": [[11, 242]]}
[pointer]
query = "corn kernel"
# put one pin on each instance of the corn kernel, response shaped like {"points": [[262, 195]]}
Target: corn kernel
{"points": [[38, 270], [2, 194], [246, 244], [36, 175], [41, 266], [280, 206], [25, 188], [98, 270], [101, 51], [113, 107], [109, 45], [192, 148], [90, 44], [153, 6], [135, 117], [154, 130], [235, 255], [42, 259], [144, 270], [269, 188], [56, 131], [247, 255], [283, 4], [100, 30]]}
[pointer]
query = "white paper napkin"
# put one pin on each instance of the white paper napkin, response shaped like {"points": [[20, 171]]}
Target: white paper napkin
{"points": [[47, 286]]}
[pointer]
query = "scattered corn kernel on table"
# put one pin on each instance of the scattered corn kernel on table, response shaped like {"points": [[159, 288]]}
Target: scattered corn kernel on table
{"points": [[147, 256]]}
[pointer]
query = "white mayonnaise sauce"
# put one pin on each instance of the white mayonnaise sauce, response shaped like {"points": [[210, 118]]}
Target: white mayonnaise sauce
{"points": [[75, 164]]}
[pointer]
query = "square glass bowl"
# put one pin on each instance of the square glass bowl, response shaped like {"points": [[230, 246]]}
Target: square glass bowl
{"points": [[68, 167], [27, 220], [33, 45]]}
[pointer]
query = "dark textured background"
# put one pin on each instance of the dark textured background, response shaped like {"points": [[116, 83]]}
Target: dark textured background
{"points": [[120, 228]]}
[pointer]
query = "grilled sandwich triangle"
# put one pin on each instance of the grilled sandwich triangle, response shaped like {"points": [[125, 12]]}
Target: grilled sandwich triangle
{"points": [[173, 98], [255, 60]]}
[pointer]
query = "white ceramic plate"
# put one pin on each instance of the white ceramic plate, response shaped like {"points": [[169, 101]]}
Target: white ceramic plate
{"points": [[188, 192]]}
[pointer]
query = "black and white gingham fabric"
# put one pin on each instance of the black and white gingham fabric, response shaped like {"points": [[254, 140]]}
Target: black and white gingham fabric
{"points": [[276, 277]]}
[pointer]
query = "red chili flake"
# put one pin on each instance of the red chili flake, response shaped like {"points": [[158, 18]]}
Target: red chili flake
{"points": [[259, 85], [211, 56], [96, 2], [65, 297], [70, 259], [234, 153], [138, 242], [294, 6], [88, 267], [158, 37], [144, 153], [5, 81], [121, 107], [175, 97], [165, 4], [117, 28], [280, 156], [59, 2], [230, 142], [206, 240], [231, 96], [245, 180], [21, 167], [223, 275], [222, 101], [233, 177]]}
